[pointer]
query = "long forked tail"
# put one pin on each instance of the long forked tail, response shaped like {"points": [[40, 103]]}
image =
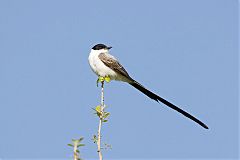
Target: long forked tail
{"points": [[157, 98]]}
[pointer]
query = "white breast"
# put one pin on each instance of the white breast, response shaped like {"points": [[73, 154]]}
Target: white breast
{"points": [[98, 66]]}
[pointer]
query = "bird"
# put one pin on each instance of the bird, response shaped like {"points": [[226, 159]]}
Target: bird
{"points": [[103, 64]]}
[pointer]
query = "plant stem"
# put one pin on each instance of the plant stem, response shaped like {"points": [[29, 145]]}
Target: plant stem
{"points": [[100, 122], [75, 153]]}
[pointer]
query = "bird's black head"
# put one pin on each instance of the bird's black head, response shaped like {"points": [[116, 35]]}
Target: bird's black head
{"points": [[101, 46]]}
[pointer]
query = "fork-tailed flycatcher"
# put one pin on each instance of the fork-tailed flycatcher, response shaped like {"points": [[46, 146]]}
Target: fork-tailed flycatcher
{"points": [[104, 64]]}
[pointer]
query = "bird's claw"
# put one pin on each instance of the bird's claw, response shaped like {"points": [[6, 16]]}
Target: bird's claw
{"points": [[102, 79]]}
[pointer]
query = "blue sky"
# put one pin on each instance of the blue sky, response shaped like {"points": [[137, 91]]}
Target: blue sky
{"points": [[185, 51]]}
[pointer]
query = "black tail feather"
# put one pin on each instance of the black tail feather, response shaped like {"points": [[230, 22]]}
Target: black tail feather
{"points": [[157, 98]]}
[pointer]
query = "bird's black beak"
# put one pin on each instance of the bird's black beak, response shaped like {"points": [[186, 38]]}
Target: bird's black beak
{"points": [[109, 47]]}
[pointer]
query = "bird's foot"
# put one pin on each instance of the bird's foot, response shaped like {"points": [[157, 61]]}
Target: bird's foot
{"points": [[107, 79], [102, 79]]}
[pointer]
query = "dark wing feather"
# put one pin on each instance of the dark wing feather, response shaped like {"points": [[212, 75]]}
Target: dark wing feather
{"points": [[112, 63]]}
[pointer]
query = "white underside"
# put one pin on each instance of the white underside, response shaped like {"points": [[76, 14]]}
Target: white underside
{"points": [[101, 69]]}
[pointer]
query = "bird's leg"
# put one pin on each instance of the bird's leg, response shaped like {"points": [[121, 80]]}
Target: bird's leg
{"points": [[100, 79]]}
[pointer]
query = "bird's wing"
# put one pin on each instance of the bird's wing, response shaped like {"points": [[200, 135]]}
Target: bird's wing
{"points": [[112, 63]]}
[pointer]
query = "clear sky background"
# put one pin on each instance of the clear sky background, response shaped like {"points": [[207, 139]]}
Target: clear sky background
{"points": [[186, 51]]}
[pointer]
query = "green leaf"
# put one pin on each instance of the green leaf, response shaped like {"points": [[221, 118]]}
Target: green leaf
{"points": [[105, 120], [80, 139], [98, 109], [107, 79], [80, 145], [94, 138], [70, 145], [77, 151], [106, 114], [75, 141]]}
